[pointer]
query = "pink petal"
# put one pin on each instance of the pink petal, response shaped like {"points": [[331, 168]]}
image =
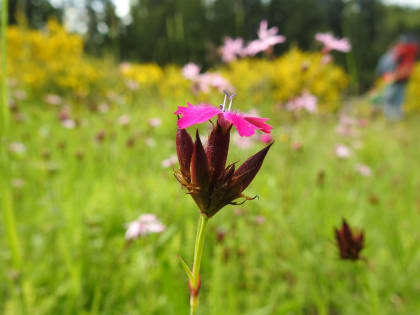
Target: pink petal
{"points": [[245, 128], [259, 123], [197, 114]]}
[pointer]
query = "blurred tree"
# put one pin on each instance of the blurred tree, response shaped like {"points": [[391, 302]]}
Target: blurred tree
{"points": [[35, 13], [179, 31]]}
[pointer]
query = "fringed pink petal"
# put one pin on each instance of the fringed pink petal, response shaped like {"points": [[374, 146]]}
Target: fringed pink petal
{"points": [[259, 123], [197, 114], [245, 128]]}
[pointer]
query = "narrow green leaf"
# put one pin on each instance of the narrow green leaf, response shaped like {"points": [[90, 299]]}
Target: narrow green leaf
{"points": [[186, 268]]}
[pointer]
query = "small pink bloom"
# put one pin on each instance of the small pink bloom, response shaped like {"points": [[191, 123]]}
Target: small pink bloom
{"points": [[124, 120], [266, 39], [154, 122], [53, 99], [246, 125], [17, 147], [332, 43], [297, 146], [305, 101], [364, 170], [266, 138], [132, 85], [20, 95], [68, 123], [231, 49], [259, 219], [170, 161], [342, 151], [103, 108], [145, 224], [242, 142], [190, 71]]}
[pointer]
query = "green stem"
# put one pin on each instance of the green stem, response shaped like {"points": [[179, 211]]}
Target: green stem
{"points": [[4, 110], [195, 282]]}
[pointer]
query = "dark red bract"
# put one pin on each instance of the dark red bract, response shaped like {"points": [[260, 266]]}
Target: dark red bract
{"points": [[204, 173], [350, 243]]}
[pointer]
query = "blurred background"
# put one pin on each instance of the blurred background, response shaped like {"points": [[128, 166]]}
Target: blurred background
{"points": [[93, 220], [182, 31]]}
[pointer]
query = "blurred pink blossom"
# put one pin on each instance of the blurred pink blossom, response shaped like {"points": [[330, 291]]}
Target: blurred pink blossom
{"points": [[364, 170], [297, 146], [266, 138], [170, 161], [342, 151], [259, 219], [20, 95], [154, 122], [267, 37], [332, 43], [208, 80], [231, 49], [190, 71], [132, 85], [17, 147], [124, 120], [53, 99], [68, 123], [103, 108], [242, 142], [305, 101], [145, 224]]}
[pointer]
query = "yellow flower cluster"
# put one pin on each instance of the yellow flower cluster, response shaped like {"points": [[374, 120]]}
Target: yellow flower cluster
{"points": [[49, 59], [412, 100], [167, 81], [288, 76]]}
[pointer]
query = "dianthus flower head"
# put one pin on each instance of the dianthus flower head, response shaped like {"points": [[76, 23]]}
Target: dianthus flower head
{"points": [[245, 124], [203, 171]]}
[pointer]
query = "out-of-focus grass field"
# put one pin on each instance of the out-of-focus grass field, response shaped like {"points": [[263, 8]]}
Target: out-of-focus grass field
{"points": [[73, 194]]}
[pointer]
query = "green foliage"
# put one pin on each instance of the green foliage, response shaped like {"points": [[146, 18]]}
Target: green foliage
{"points": [[79, 192]]}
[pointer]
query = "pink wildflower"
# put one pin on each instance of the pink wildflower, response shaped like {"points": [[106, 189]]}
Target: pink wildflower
{"points": [[246, 125], [190, 71], [296, 146], [17, 147], [342, 151], [259, 219], [53, 99], [145, 224], [267, 37], [154, 122], [68, 123], [364, 170], [231, 49], [242, 142], [170, 161], [332, 43], [266, 138], [305, 101], [124, 120]]}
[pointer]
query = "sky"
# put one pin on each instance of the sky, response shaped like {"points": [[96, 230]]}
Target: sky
{"points": [[414, 3]]}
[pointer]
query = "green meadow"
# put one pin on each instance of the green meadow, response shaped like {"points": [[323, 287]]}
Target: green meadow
{"points": [[75, 186]]}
